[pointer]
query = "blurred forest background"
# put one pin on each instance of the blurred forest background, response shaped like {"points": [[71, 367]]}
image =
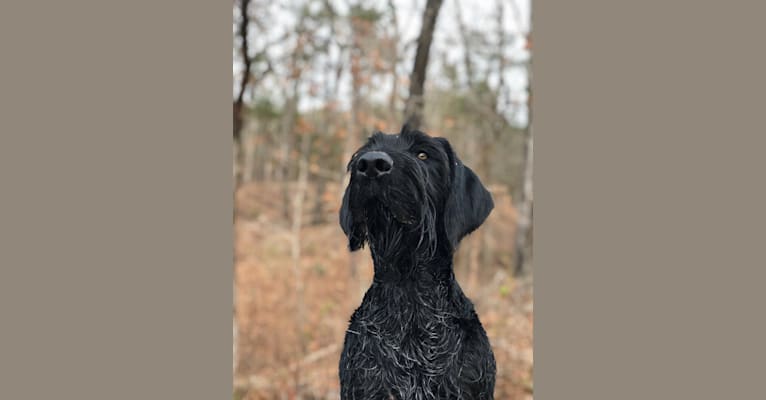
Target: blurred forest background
{"points": [[312, 80]]}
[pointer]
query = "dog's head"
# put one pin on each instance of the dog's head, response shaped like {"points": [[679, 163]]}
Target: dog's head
{"points": [[411, 189]]}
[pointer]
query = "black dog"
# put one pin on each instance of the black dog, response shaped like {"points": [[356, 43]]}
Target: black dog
{"points": [[415, 335]]}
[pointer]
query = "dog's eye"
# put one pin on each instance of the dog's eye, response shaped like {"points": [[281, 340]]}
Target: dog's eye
{"points": [[423, 156]]}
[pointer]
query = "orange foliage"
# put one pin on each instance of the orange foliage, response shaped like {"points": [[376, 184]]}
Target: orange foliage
{"points": [[271, 360]]}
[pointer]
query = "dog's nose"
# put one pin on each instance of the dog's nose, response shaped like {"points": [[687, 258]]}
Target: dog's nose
{"points": [[374, 163]]}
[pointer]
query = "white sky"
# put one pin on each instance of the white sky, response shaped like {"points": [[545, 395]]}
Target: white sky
{"points": [[477, 15]]}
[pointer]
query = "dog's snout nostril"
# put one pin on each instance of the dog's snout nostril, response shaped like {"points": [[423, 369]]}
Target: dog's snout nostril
{"points": [[374, 163], [361, 165], [382, 165]]}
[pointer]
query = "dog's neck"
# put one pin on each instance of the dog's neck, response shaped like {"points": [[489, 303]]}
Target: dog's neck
{"points": [[396, 272], [409, 258]]}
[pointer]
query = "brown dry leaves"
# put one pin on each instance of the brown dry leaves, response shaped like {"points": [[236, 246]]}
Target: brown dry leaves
{"points": [[276, 361]]}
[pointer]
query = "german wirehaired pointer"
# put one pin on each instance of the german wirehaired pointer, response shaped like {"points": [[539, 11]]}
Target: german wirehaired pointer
{"points": [[415, 336]]}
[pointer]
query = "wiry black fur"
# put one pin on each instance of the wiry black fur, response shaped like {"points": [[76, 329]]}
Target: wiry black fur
{"points": [[416, 335]]}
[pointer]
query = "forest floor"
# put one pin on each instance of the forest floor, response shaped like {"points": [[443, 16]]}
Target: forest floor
{"points": [[289, 344]]}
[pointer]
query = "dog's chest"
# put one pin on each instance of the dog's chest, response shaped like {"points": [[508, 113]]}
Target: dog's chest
{"points": [[410, 345]]}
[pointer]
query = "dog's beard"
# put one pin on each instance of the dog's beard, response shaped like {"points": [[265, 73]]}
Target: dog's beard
{"points": [[395, 219]]}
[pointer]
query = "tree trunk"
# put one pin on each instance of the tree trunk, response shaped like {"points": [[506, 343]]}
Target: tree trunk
{"points": [[238, 158], [238, 103], [352, 140], [283, 170], [297, 223], [288, 122], [524, 223], [413, 112], [239, 153], [523, 246], [249, 151]]}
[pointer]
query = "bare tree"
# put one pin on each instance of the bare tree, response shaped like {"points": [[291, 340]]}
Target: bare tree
{"points": [[523, 242], [361, 28], [239, 102], [247, 82], [523, 245], [413, 112], [239, 154], [295, 251], [290, 115]]}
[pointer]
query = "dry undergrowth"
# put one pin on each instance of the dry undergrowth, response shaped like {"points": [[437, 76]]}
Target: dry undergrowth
{"points": [[282, 356]]}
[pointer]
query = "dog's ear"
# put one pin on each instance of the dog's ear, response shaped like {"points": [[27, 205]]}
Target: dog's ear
{"points": [[468, 202], [354, 230]]}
